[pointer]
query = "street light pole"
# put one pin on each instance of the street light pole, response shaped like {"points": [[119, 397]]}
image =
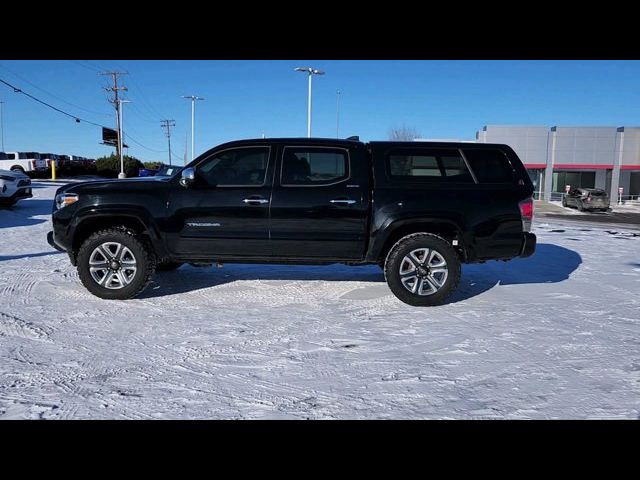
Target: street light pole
{"points": [[311, 72], [2, 124], [338, 93], [120, 142], [193, 122]]}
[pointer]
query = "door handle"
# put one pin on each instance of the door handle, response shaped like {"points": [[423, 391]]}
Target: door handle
{"points": [[256, 200], [343, 202]]}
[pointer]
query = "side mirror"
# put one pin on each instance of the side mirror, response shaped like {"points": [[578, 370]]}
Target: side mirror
{"points": [[187, 177]]}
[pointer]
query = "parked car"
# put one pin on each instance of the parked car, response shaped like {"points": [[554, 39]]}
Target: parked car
{"points": [[587, 199], [168, 170], [22, 161], [14, 185], [163, 171], [49, 158], [419, 210]]}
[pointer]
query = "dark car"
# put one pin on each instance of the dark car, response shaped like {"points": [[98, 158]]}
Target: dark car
{"points": [[417, 209], [587, 199], [163, 171]]}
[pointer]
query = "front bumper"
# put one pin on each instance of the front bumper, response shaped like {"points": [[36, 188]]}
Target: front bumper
{"points": [[22, 192], [528, 245], [52, 242]]}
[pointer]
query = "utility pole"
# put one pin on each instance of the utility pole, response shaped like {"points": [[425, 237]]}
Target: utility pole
{"points": [[1, 125], [116, 100], [193, 99], [167, 124], [184, 159]]}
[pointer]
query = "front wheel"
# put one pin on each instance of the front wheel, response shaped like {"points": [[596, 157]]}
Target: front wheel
{"points": [[422, 269], [564, 202], [115, 264]]}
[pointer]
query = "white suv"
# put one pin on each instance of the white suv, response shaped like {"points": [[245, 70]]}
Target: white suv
{"points": [[13, 186]]}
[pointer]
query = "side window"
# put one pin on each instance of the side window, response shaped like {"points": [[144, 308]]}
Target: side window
{"points": [[490, 166], [313, 166], [237, 167], [427, 165]]}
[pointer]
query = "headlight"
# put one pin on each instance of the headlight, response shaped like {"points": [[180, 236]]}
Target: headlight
{"points": [[7, 178], [64, 199]]}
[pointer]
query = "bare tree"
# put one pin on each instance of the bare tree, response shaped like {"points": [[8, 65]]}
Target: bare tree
{"points": [[403, 133]]}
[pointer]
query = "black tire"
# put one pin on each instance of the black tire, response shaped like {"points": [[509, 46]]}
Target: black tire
{"points": [[145, 263], [581, 206], [16, 168], [401, 250], [167, 266], [564, 202]]}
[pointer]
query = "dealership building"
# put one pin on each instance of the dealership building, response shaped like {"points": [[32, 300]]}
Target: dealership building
{"points": [[588, 157]]}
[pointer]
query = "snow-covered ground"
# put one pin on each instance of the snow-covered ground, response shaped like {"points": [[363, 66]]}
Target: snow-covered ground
{"points": [[553, 336]]}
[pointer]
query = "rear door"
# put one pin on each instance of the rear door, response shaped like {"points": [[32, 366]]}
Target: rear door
{"points": [[320, 202]]}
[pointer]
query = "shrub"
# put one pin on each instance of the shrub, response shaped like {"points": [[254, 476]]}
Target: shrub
{"points": [[109, 167], [152, 165]]}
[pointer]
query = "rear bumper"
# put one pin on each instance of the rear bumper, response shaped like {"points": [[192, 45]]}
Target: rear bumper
{"points": [[528, 245], [52, 242]]}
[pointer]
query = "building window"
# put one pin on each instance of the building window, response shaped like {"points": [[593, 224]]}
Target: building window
{"points": [[575, 179]]}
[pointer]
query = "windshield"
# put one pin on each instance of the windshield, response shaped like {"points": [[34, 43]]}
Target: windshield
{"points": [[168, 171]]}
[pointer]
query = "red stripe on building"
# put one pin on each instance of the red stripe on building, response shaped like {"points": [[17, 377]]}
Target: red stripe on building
{"points": [[582, 166], [630, 167], [535, 165]]}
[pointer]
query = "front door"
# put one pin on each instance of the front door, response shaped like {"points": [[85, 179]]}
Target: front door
{"points": [[226, 210], [319, 204]]}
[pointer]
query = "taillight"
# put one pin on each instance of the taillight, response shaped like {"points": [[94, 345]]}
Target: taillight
{"points": [[33, 164], [526, 213]]}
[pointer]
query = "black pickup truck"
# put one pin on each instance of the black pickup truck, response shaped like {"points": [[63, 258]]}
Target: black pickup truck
{"points": [[417, 209]]}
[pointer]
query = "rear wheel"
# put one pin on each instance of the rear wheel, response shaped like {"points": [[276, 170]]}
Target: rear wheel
{"points": [[564, 201], [115, 264], [422, 269], [17, 168]]}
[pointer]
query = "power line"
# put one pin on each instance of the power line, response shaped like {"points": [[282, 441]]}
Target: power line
{"points": [[126, 135], [145, 102], [75, 117], [52, 94], [86, 65]]}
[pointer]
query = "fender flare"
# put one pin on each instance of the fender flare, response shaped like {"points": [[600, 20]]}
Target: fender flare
{"points": [[392, 224], [92, 213]]}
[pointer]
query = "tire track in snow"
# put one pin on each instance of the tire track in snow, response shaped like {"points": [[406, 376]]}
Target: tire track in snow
{"points": [[17, 327]]}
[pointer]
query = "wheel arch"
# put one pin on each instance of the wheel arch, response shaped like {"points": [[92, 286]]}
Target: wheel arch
{"points": [[93, 221], [398, 229]]}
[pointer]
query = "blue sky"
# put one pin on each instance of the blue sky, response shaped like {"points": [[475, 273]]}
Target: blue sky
{"points": [[245, 99]]}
